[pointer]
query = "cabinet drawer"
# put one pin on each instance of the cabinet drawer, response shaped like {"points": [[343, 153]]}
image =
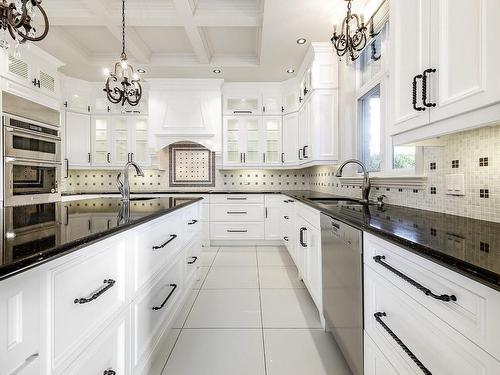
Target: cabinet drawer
{"points": [[235, 212], [151, 309], [311, 215], [237, 198], [375, 361], [435, 344], [475, 311], [108, 352], [237, 231], [20, 324], [156, 245], [86, 292]]}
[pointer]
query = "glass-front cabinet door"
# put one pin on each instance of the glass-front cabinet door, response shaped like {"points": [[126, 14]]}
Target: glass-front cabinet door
{"points": [[139, 150], [271, 140], [120, 144], [253, 151], [234, 130], [101, 140], [242, 104]]}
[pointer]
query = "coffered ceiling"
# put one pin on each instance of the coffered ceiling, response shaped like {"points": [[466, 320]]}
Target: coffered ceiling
{"points": [[249, 40]]}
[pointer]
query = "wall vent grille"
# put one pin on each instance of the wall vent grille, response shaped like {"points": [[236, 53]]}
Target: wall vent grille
{"points": [[47, 81], [18, 67]]}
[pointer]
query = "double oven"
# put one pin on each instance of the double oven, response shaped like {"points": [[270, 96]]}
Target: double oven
{"points": [[32, 161]]}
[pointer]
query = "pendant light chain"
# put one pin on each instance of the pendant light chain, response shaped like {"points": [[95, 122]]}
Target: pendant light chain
{"points": [[124, 55]]}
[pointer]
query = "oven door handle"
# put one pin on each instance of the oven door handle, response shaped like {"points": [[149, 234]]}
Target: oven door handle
{"points": [[32, 134], [11, 160]]}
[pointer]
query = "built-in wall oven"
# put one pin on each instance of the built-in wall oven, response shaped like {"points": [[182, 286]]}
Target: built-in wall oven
{"points": [[32, 161]]}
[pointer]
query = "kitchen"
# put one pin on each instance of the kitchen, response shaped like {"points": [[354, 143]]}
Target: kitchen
{"points": [[250, 187]]}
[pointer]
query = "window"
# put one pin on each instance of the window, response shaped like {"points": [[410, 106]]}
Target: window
{"points": [[369, 63], [370, 145], [403, 157]]}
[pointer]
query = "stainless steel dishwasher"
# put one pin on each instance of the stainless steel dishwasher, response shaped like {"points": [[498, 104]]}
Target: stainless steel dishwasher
{"points": [[342, 266]]}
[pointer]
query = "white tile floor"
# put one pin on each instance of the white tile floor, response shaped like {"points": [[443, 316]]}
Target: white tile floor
{"points": [[250, 314]]}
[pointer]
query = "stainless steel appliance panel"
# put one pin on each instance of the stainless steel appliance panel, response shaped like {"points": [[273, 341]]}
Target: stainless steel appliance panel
{"points": [[342, 269]]}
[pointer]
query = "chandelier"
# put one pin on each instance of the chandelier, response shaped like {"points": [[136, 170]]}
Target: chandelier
{"points": [[18, 19], [352, 38], [129, 90]]}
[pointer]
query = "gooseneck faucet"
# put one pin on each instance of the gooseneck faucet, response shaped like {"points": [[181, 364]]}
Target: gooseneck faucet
{"points": [[365, 188], [124, 187]]}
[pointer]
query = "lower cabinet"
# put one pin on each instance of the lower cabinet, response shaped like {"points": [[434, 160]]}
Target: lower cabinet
{"points": [[273, 217], [19, 325], [108, 353]]}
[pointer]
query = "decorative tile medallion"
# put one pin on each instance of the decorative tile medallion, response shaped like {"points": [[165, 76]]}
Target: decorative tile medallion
{"points": [[191, 165]]}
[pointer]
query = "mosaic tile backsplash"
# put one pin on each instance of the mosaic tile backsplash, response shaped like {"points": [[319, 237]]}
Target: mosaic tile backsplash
{"points": [[476, 154]]}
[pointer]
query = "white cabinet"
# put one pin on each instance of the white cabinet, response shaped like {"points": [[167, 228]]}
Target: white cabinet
{"points": [[291, 96], [375, 361], [20, 324], [273, 217], [304, 151], [433, 78], [238, 104], [117, 139], [270, 139], [77, 147], [290, 139], [77, 95], [323, 126], [272, 102]]}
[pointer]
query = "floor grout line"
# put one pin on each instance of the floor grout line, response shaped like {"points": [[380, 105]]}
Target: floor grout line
{"points": [[261, 315], [191, 309]]}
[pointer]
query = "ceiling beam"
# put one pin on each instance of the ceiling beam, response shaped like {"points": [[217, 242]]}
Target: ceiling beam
{"points": [[135, 45], [195, 34]]}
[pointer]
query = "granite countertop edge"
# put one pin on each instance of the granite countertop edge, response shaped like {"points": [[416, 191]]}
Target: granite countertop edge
{"points": [[16, 268]]}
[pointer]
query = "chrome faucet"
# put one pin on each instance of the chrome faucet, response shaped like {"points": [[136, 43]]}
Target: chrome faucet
{"points": [[365, 188], [124, 187]]}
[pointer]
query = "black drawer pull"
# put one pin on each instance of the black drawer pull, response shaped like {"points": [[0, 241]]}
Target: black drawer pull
{"points": [[192, 222], [424, 88], [236, 212], [286, 217], [109, 284], [237, 231], [244, 112], [301, 236], [378, 317], [174, 287], [286, 238], [236, 198], [109, 372], [414, 88], [194, 259], [172, 237], [444, 297]]}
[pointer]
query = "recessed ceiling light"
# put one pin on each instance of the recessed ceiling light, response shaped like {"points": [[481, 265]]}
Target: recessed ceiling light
{"points": [[290, 71], [142, 71], [301, 41], [217, 71]]}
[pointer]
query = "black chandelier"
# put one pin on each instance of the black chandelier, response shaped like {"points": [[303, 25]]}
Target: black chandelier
{"points": [[18, 19], [129, 90], [352, 38]]}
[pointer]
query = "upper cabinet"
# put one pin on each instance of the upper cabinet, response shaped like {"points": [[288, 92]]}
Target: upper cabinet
{"points": [[77, 147], [253, 99], [33, 76], [238, 104], [438, 86]]}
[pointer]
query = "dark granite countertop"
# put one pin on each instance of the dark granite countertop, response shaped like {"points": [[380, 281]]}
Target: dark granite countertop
{"points": [[468, 246], [36, 234]]}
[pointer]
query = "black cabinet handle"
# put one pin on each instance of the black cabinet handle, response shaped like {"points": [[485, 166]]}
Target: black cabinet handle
{"points": [[245, 112], [172, 237], [236, 212], [282, 157], [194, 260], [108, 285], [108, 157], [109, 372], [174, 287], [378, 318], [237, 231], [244, 157], [131, 156], [241, 157], [66, 161], [444, 297], [266, 212], [285, 238], [263, 157], [236, 199], [424, 88], [128, 156], [301, 236], [286, 217], [306, 156], [419, 76], [90, 157], [192, 222]]}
